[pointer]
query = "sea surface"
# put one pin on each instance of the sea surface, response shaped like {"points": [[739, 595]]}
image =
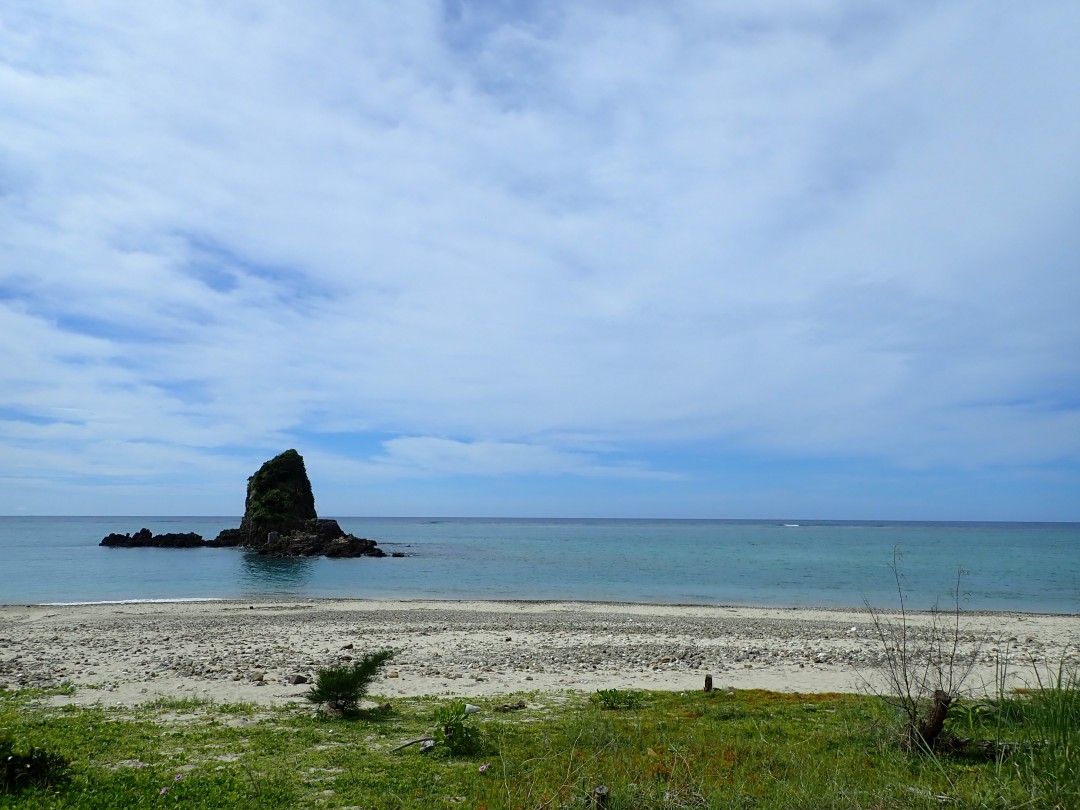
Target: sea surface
{"points": [[1026, 567]]}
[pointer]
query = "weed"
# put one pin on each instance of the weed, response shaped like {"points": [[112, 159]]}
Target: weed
{"points": [[183, 704], [1048, 752], [453, 733]]}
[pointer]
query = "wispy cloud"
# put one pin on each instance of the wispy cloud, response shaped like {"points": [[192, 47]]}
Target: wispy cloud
{"points": [[596, 241], [430, 456]]}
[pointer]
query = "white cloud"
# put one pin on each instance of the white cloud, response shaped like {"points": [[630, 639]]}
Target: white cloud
{"points": [[539, 243], [428, 455]]}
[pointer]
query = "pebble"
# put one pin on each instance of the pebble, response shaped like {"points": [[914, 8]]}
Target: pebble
{"points": [[235, 644]]}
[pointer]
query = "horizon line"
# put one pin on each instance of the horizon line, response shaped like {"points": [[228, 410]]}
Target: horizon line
{"points": [[794, 522]]}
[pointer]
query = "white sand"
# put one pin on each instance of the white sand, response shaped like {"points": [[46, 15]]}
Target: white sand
{"points": [[246, 651]]}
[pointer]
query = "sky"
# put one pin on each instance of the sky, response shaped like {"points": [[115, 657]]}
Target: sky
{"points": [[742, 259]]}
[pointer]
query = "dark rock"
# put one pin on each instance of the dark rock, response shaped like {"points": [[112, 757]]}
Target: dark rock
{"points": [[297, 679], [280, 520], [279, 499], [144, 538], [227, 538], [319, 537], [327, 529]]}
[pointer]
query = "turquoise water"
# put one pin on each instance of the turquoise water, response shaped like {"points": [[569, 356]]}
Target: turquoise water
{"points": [[1029, 567]]}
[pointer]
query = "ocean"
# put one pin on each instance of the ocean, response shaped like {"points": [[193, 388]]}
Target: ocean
{"points": [[1025, 567]]}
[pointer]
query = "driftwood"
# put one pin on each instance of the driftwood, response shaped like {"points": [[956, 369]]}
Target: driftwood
{"points": [[412, 742]]}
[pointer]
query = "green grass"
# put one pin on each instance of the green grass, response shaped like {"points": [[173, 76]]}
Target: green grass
{"points": [[1034, 735], [747, 749], [619, 698]]}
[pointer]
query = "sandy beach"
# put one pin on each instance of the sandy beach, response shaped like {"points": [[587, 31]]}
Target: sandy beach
{"points": [[260, 651]]}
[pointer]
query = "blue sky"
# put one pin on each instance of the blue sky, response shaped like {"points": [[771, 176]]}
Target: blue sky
{"points": [[739, 259]]}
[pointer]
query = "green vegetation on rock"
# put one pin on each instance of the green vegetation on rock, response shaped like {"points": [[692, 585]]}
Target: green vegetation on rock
{"points": [[279, 498]]}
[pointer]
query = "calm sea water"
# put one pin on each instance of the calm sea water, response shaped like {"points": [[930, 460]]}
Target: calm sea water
{"points": [[1029, 567]]}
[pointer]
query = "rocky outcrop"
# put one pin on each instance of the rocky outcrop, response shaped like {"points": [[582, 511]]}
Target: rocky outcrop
{"points": [[279, 499], [280, 520], [227, 538], [320, 538], [144, 538], [317, 537]]}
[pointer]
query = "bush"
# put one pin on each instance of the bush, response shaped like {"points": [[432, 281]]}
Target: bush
{"points": [[35, 767], [342, 688]]}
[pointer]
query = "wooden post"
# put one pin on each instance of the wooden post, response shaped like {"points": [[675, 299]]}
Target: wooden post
{"points": [[598, 798], [708, 683]]}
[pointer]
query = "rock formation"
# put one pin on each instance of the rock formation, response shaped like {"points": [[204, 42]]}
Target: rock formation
{"points": [[279, 520], [144, 538], [279, 499]]}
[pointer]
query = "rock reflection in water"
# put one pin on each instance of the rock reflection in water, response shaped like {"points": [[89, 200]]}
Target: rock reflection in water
{"points": [[262, 574]]}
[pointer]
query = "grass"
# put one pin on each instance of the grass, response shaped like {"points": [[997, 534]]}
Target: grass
{"points": [[744, 749], [1034, 734], [619, 698]]}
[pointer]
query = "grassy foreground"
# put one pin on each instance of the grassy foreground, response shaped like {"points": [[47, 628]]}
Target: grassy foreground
{"points": [[724, 749]]}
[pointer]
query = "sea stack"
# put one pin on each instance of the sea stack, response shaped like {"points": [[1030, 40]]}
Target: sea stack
{"points": [[279, 499], [280, 518]]}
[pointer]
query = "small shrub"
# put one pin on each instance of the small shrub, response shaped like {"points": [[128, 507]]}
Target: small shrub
{"points": [[452, 731], [926, 671], [342, 688], [620, 698], [35, 767]]}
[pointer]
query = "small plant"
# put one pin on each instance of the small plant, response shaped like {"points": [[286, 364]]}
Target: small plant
{"points": [[925, 670], [35, 767], [620, 698], [342, 688], [452, 731]]}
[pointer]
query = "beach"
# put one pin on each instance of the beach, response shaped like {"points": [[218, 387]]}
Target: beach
{"points": [[266, 652]]}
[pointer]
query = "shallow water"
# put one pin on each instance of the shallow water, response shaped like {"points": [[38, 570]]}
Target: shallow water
{"points": [[1029, 567]]}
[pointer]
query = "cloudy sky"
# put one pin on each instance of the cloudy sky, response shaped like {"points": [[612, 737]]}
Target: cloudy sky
{"points": [[675, 259]]}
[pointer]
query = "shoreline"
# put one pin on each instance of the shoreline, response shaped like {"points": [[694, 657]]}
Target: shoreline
{"points": [[616, 604], [228, 600], [227, 651]]}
